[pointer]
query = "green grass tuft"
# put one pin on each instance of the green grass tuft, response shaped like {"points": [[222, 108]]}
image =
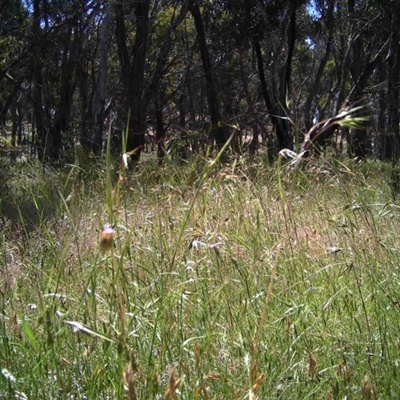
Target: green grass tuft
{"points": [[230, 282]]}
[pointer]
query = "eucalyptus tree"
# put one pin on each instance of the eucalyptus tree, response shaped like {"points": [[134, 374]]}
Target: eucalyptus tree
{"points": [[94, 29], [367, 46], [141, 80], [270, 28], [320, 42], [13, 60], [389, 140], [350, 41], [194, 65], [217, 130], [59, 44]]}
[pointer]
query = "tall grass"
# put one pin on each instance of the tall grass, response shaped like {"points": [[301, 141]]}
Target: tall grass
{"points": [[226, 282]]}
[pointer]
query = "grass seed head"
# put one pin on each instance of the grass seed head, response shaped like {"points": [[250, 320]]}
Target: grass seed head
{"points": [[129, 382], [258, 383], [368, 390], [173, 384]]}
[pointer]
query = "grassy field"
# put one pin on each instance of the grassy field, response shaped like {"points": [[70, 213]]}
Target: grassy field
{"points": [[243, 281]]}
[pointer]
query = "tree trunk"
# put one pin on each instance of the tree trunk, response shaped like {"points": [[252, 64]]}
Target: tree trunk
{"points": [[160, 129], [258, 124], [133, 73], [67, 87], [285, 76], [94, 142], [361, 68], [284, 140], [85, 111], [5, 107], [308, 116], [217, 130], [393, 85], [278, 109], [37, 97], [384, 150]]}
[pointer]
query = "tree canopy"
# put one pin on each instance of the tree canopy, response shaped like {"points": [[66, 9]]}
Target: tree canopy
{"points": [[194, 72]]}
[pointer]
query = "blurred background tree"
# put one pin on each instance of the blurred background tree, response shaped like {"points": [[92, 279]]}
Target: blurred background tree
{"points": [[183, 76]]}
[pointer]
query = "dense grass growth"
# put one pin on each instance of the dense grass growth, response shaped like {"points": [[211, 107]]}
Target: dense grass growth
{"points": [[226, 282]]}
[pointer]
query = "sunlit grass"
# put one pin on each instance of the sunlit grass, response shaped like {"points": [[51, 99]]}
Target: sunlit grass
{"points": [[233, 282]]}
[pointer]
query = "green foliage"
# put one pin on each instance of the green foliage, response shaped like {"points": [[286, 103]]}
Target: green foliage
{"points": [[12, 18], [225, 282]]}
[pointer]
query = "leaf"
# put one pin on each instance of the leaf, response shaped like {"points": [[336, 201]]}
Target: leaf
{"points": [[77, 326], [312, 366], [30, 335]]}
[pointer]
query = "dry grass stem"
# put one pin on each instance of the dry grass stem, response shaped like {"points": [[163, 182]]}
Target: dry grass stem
{"points": [[173, 384]]}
